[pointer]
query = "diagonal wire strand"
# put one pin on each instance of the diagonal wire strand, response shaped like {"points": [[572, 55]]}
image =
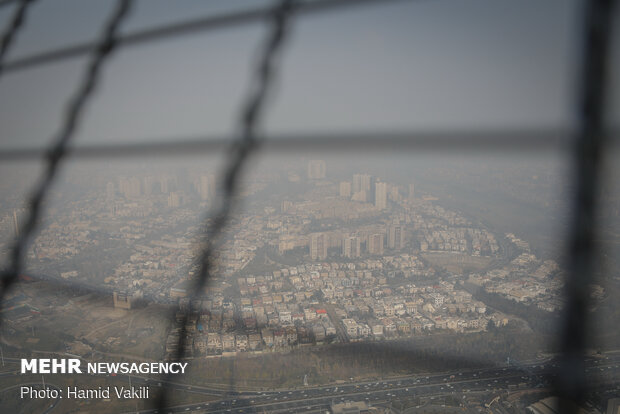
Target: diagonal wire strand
{"points": [[59, 148], [200, 24], [590, 143], [238, 155], [6, 2], [16, 23]]}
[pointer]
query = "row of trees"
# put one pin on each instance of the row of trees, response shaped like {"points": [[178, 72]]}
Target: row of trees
{"points": [[539, 320]]}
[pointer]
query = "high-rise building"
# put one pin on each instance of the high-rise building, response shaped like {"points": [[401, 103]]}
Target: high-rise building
{"points": [[206, 186], [361, 182], [351, 247], [316, 169], [357, 183], [318, 246], [287, 206], [136, 187], [164, 183], [175, 199], [15, 223], [613, 406], [381, 195], [362, 188], [411, 192], [375, 243], [396, 237], [148, 184], [394, 194], [182, 179], [345, 189], [130, 188], [361, 196], [110, 190]]}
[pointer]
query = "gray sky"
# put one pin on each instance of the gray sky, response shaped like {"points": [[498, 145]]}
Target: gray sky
{"points": [[431, 64]]}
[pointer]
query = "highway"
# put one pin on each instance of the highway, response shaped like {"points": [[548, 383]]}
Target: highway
{"points": [[531, 375]]}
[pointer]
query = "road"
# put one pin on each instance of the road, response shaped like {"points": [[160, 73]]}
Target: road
{"points": [[492, 380], [331, 312]]}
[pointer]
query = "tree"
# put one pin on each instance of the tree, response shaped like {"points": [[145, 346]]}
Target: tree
{"points": [[491, 326]]}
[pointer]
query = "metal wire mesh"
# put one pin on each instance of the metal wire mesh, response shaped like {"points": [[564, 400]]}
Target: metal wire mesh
{"points": [[588, 148], [188, 27], [58, 149], [14, 26], [362, 141], [238, 154]]}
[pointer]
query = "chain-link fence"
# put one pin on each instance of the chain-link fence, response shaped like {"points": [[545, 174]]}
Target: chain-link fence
{"points": [[589, 144]]}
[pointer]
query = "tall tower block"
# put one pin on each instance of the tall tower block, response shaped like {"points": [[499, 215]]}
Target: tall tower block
{"points": [[15, 223]]}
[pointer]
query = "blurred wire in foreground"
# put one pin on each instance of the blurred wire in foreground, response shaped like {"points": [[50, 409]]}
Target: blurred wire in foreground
{"points": [[73, 113], [358, 141], [14, 25], [157, 33], [239, 152], [6, 2], [571, 384]]}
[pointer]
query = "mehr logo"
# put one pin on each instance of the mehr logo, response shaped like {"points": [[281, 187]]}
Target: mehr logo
{"points": [[51, 366]]}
